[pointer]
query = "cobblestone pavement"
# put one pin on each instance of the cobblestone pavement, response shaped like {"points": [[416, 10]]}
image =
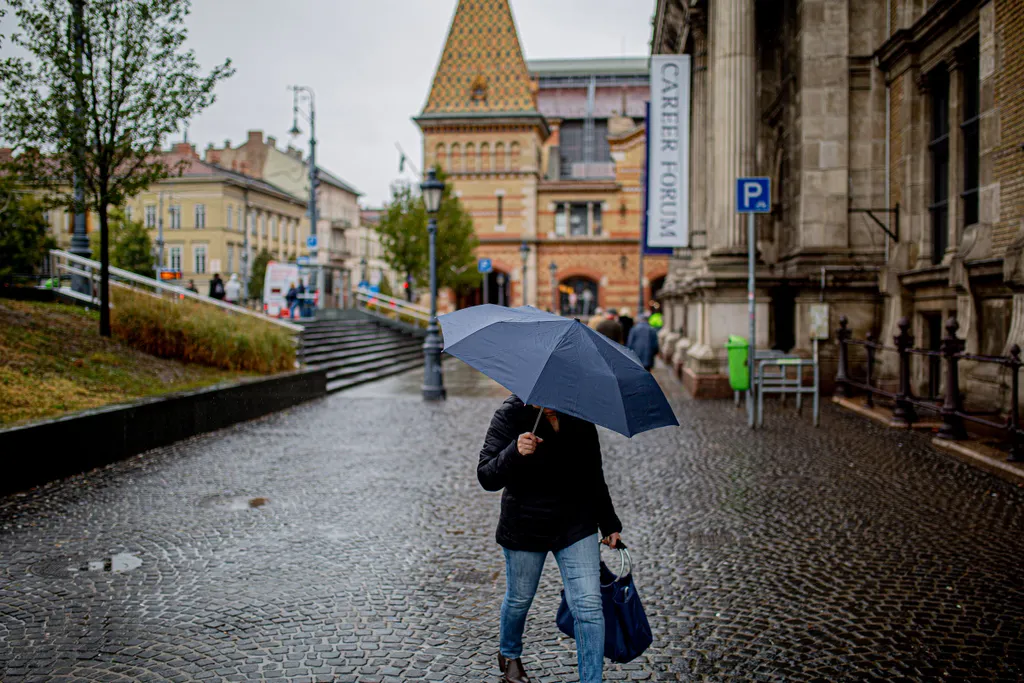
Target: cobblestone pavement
{"points": [[348, 540]]}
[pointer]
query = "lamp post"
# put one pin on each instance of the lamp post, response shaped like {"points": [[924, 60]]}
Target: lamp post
{"points": [[313, 180], [433, 381], [553, 269], [524, 251], [502, 296], [362, 266]]}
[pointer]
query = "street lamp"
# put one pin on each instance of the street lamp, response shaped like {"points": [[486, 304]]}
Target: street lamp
{"points": [[553, 269], [362, 265], [524, 251], [502, 296], [313, 181], [433, 381]]}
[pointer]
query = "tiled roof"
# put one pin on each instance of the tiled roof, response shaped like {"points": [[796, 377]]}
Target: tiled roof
{"points": [[482, 69], [194, 167]]}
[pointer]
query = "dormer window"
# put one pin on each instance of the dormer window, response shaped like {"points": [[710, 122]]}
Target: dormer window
{"points": [[478, 89]]}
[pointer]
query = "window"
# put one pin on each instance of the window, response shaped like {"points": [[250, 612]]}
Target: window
{"points": [[128, 213], [230, 223], [595, 223], [174, 213], [969, 128], [150, 212], [485, 157], [471, 160], [199, 258], [239, 220], [174, 257], [273, 227], [578, 219], [561, 219], [252, 224], [499, 157], [501, 210], [570, 146], [231, 258], [939, 150], [200, 216], [263, 227]]}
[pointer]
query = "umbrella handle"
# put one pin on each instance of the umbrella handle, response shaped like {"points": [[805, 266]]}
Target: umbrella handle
{"points": [[537, 423]]}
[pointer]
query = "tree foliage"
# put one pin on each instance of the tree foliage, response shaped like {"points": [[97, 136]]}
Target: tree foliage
{"points": [[259, 274], [130, 246], [104, 121], [405, 241], [24, 235]]}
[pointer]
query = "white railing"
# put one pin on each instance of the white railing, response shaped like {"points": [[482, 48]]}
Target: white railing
{"points": [[389, 307], [64, 264]]}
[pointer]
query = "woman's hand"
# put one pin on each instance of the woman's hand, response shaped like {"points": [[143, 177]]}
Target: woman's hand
{"points": [[527, 443], [613, 540]]}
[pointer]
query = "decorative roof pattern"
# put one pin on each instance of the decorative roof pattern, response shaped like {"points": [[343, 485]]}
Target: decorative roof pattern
{"points": [[482, 69]]}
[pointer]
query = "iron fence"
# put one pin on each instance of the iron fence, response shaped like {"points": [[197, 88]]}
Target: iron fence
{"points": [[906, 405]]}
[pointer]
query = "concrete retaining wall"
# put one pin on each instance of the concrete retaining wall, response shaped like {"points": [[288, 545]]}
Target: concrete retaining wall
{"points": [[45, 451]]}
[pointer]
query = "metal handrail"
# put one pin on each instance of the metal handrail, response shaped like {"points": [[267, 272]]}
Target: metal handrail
{"points": [[60, 256], [364, 298]]}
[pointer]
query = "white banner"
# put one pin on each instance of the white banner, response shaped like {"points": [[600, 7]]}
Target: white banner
{"points": [[668, 140]]}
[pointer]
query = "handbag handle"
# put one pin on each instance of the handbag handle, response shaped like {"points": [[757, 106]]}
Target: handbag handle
{"points": [[625, 564]]}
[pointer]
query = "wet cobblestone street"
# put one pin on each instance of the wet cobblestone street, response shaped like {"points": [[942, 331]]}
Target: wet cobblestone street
{"points": [[348, 540]]}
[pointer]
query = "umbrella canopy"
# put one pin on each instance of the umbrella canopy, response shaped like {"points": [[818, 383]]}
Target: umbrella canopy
{"points": [[558, 363]]}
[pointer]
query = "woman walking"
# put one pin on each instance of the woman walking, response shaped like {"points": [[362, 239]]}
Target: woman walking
{"points": [[555, 500]]}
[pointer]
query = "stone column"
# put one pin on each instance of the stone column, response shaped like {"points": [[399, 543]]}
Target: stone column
{"points": [[733, 117]]}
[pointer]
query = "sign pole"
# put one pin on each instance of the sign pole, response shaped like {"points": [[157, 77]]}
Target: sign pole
{"points": [[751, 303], [487, 293]]}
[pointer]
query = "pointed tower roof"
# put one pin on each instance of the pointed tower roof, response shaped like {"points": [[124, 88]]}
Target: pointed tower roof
{"points": [[482, 70]]}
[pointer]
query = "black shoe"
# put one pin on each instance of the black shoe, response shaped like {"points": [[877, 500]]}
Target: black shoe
{"points": [[512, 670]]}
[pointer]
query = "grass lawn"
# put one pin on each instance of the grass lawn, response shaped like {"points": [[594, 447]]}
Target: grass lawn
{"points": [[53, 361]]}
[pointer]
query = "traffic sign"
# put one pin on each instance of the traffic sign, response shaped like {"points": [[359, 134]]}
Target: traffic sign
{"points": [[484, 265], [311, 242], [302, 260], [753, 195]]}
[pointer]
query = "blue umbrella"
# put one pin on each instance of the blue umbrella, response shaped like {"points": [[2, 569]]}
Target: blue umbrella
{"points": [[558, 363]]}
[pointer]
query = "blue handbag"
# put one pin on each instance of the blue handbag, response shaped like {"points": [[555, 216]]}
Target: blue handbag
{"points": [[627, 633]]}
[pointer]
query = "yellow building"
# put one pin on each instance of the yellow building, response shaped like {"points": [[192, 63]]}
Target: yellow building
{"points": [[214, 220], [548, 158]]}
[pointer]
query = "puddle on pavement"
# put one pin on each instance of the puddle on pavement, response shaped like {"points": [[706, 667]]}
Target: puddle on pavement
{"points": [[70, 566], [229, 502]]}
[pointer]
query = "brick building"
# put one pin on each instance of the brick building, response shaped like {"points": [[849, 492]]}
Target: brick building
{"points": [[911, 109], [547, 156]]}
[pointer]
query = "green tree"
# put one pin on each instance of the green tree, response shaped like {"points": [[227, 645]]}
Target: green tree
{"points": [[130, 246], [404, 238], [259, 274], [24, 238], [98, 99], [385, 286]]}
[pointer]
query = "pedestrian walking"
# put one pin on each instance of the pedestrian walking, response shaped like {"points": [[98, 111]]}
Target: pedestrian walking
{"points": [[596, 318], [610, 327], [643, 340], [192, 286], [233, 289], [626, 321], [216, 287], [588, 302], [655, 318], [292, 299], [555, 500]]}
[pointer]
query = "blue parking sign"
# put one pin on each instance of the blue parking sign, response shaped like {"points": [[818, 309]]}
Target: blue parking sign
{"points": [[753, 195], [483, 265], [311, 242]]}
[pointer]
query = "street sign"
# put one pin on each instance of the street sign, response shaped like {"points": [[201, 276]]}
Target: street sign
{"points": [[302, 260], [311, 242], [753, 195], [484, 265]]}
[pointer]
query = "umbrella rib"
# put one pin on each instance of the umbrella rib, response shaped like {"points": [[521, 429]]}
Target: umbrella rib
{"points": [[622, 403]]}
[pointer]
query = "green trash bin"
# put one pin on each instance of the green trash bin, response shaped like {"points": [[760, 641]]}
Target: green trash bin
{"points": [[737, 349]]}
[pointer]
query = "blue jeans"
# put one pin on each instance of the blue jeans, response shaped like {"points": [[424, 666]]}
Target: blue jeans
{"points": [[580, 566]]}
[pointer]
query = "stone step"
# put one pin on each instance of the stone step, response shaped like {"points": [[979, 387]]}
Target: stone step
{"points": [[317, 350], [370, 363], [353, 334], [364, 355], [370, 376], [321, 355]]}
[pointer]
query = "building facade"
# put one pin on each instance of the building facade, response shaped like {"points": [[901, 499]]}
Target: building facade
{"points": [[337, 201], [547, 157], [214, 220], [889, 130]]}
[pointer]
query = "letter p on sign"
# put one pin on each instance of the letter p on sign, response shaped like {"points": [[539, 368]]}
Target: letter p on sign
{"points": [[753, 195]]}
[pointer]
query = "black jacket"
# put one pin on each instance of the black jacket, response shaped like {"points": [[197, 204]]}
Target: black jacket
{"points": [[553, 497]]}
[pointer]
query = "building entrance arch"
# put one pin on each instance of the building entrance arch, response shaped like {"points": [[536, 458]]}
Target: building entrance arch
{"points": [[499, 288], [578, 296]]}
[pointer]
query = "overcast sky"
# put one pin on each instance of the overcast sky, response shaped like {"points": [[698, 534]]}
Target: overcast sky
{"points": [[370, 63]]}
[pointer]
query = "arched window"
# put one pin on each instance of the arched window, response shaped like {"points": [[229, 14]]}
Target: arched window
{"points": [[456, 164], [499, 157], [514, 157], [439, 155], [485, 157], [470, 157]]}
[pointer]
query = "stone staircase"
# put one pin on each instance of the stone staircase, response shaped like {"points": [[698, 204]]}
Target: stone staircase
{"points": [[358, 351]]}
